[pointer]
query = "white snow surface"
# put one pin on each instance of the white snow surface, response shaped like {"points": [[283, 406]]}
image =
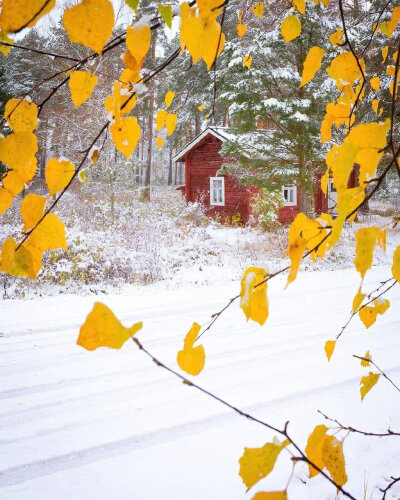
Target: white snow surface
{"points": [[111, 424]]}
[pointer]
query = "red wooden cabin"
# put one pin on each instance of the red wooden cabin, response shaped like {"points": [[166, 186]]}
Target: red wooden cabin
{"points": [[224, 195]]}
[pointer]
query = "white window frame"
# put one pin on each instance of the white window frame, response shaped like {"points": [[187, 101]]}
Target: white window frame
{"points": [[292, 188], [213, 190]]}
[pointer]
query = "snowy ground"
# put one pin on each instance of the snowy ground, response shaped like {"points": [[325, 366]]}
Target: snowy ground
{"points": [[110, 424]]}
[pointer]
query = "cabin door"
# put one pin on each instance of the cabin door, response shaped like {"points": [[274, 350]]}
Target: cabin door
{"points": [[332, 198]]}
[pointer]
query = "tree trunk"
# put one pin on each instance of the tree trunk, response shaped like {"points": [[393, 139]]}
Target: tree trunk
{"points": [[170, 167]]}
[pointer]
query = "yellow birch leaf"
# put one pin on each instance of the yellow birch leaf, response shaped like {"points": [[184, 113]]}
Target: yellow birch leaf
{"points": [[13, 182], [374, 105], [125, 134], [295, 250], [300, 6], [365, 243], [396, 264], [119, 103], [369, 135], [241, 30], [32, 209], [201, 107], [258, 9], [138, 38], [375, 82], [312, 64], [357, 301], [332, 455], [314, 446], [382, 238], [103, 329], [18, 151], [290, 28], [23, 115], [160, 142], [368, 315], [192, 359], [385, 53], [90, 23], [326, 128], [247, 60], [49, 234], [270, 495], [342, 165], [18, 14], [365, 363], [129, 76], [253, 299], [6, 199], [170, 122], [168, 98], [160, 119], [24, 262], [324, 181], [344, 68], [58, 174], [81, 85], [388, 27], [166, 14], [82, 176], [390, 70], [367, 383], [257, 463], [130, 62], [5, 49], [381, 305], [336, 38], [368, 160], [329, 348], [95, 156]]}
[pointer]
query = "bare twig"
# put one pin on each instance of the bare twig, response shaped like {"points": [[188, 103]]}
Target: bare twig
{"points": [[357, 431], [379, 369], [393, 481]]}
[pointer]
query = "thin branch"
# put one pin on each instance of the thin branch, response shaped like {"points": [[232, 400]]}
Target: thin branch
{"points": [[282, 432], [379, 369], [37, 51], [357, 431], [393, 481], [46, 3]]}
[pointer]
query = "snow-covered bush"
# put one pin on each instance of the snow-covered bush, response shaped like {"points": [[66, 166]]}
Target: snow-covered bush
{"points": [[265, 205]]}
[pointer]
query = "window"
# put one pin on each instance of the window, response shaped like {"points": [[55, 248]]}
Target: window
{"points": [[217, 191], [289, 195]]}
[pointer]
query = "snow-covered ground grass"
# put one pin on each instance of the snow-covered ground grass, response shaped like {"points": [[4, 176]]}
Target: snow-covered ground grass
{"points": [[110, 424], [161, 241]]}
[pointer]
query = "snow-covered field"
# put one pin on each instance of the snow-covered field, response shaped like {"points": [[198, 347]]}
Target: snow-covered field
{"points": [[112, 425]]}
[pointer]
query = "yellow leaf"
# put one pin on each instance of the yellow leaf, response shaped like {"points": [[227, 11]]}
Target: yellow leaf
{"points": [[367, 383], [296, 246], [90, 23], [166, 14], [95, 156], [374, 105], [58, 174], [125, 134], [344, 68], [241, 30], [130, 62], [247, 60], [365, 243], [160, 142], [329, 348], [385, 53], [103, 329], [368, 160], [368, 315], [160, 119], [24, 262], [13, 182], [82, 176], [201, 107], [6, 199], [365, 363], [375, 82], [381, 305], [300, 6], [119, 103], [258, 9], [256, 463], [18, 151], [5, 49], [81, 85], [168, 98], [253, 298], [312, 64], [369, 135], [200, 32], [192, 359], [337, 37], [49, 234], [290, 28], [396, 264], [170, 122], [332, 455], [32, 209], [17, 14], [342, 165], [23, 115], [270, 495], [314, 446], [388, 27], [138, 38], [357, 301]]}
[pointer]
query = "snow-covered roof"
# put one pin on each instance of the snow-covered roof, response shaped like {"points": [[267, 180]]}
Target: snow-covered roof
{"points": [[245, 141]]}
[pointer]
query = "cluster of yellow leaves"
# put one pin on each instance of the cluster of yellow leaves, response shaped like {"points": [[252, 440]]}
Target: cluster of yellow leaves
{"points": [[18, 14], [18, 149], [253, 295], [192, 359], [326, 451], [81, 85], [90, 23], [120, 102], [257, 463], [200, 32], [103, 329], [165, 119], [368, 314], [240, 28]]}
